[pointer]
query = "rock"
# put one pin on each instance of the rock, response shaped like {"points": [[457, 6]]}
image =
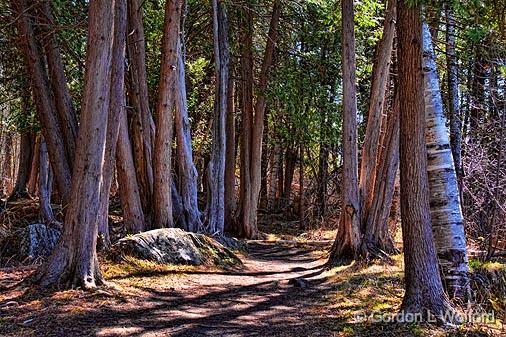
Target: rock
{"points": [[38, 240], [175, 246]]}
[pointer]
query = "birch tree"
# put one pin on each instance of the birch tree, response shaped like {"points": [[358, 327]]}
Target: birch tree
{"points": [[446, 212]]}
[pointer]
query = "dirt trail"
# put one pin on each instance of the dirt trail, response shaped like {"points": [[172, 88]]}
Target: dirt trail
{"points": [[266, 298]]}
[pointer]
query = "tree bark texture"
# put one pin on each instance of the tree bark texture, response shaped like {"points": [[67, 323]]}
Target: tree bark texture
{"points": [[64, 107], [216, 208], [187, 173], [424, 289], [347, 243], [453, 95], [143, 127], [255, 136], [162, 168], [445, 207], [371, 146], [74, 260], [44, 100], [117, 107]]}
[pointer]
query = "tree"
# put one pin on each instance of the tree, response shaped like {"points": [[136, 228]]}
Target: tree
{"points": [[216, 170], [116, 110], [143, 126], [347, 243], [371, 147], [45, 185], [446, 212], [162, 198], [186, 168], [64, 107], [424, 289], [25, 164], [44, 102], [453, 94], [253, 125], [74, 260]]}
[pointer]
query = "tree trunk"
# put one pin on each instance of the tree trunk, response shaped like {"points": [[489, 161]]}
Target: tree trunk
{"points": [[143, 129], [453, 95], [188, 175], [133, 214], [371, 146], [216, 169], [230, 200], [424, 289], [246, 36], [44, 102], [290, 163], [347, 243], [45, 185], [34, 170], [276, 172], [162, 198], [74, 260], [7, 164], [116, 109], [24, 166], [64, 108], [377, 236], [447, 219], [249, 224]]}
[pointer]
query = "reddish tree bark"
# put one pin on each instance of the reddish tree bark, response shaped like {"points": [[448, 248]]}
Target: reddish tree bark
{"points": [[424, 289], [347, 243], [74, 260], [162, 199], [44, 102]]}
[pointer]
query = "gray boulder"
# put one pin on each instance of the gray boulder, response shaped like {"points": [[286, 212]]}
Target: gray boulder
{"points": [[175, 246]]}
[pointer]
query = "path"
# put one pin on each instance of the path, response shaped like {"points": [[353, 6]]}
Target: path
{"points": [[262, 300]]}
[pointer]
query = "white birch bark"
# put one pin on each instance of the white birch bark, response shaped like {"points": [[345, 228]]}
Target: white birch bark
{"points": [[446, 213]]}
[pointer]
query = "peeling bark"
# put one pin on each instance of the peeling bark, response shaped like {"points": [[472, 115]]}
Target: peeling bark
{"points": [[446, 212]]}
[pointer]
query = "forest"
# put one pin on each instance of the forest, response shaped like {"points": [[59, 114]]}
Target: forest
{"points": [[253, 168]]}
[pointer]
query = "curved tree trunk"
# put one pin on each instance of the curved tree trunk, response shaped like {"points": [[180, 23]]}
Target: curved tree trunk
{"points": [[64, 108], [74, 260], [371, 147], [447, 219], [162, 198], [377, 235], [424, 289], [44, 102], [347, 243], [186, 168]]}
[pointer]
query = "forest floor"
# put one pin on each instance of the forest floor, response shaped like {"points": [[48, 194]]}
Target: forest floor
{"points": [[283, 289]]}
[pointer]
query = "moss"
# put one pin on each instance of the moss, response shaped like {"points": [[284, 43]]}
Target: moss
{"points": [[486, 265]]}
